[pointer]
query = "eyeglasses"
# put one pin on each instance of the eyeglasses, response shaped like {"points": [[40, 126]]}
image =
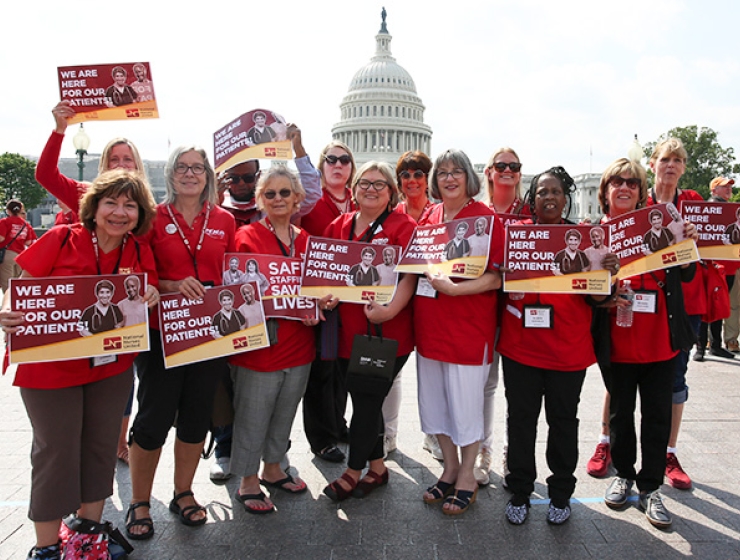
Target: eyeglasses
{"points": [[344, 160], [284, 193], [455, 174], [501, 166], [418, 174], [197, 169], [376, 185], [237, 178], [617, 181]]}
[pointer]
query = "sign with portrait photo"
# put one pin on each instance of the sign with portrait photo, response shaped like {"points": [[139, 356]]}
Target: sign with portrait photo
{"points": [[718, 226], [650, 239], [228, 320], [458, 248], [109, 92], [279, 281], [258, 134], [73, 317], [557, 259], [350, 270]]}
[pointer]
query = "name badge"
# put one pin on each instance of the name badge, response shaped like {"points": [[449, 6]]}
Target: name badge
{"points": [[538, 316], [103, 360], [645, 301], [424, 288]]}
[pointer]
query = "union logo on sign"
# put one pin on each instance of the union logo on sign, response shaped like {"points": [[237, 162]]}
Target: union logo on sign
{"points": [[368, 296], [458, 268], [240, 342], [669, 258], [115, 343], [132, 113], [579, 283], [270, 152]]}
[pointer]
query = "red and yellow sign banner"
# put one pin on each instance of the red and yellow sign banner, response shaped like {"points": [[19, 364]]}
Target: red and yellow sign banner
{"points": [[650, 239], [228, 320], [109, 92], [456, 248], [558, 259], [718, 226], [78, 317], [258, 134], [279, 281], [352, 271]]}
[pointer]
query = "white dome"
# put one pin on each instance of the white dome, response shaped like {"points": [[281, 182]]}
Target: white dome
{"points": [[382, 72]]}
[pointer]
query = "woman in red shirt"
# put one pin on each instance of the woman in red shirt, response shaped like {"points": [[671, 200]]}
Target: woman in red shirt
{"points": [[15, 235], [75, 407]]}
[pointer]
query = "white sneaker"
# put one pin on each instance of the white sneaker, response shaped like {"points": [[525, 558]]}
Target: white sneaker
{"points": [[482, 467], [389, 444], [432, 445], [220, 469]]}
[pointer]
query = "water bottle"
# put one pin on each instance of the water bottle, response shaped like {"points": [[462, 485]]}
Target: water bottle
{"points": [[625, 313]]}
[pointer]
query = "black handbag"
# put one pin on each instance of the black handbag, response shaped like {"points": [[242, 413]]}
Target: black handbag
{"points": [[372, 364]]}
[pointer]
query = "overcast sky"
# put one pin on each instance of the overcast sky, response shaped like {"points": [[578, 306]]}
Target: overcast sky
{"points": [[563, 83]]}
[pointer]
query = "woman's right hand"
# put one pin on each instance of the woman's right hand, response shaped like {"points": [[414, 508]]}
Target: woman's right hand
{"points": [[62, 111], [11, 320], [191, 288]]}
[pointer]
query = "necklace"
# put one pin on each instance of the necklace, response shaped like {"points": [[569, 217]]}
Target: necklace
{"points": [[344, 204]]}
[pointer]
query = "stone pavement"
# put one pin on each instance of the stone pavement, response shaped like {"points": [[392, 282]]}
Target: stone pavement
{"points": [[394, 523]]}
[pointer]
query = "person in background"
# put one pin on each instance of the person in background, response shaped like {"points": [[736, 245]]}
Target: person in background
{"points": [[504, 176], [16, 235]]}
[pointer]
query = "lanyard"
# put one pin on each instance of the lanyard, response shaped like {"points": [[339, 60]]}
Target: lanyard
{"points": [[193, 254], [291, 235], [97, 253], [370, 232]]}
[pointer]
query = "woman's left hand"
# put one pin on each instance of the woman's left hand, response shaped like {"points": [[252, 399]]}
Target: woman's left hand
{"points": [[377, 313], [441, 282], [310, 321], [151, 297], [326, 303], [689, 231], [610, 262], [10, 321]]}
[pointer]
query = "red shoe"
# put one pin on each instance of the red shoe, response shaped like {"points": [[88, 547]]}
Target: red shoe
{"points": [[676, 476], [598, 465]]}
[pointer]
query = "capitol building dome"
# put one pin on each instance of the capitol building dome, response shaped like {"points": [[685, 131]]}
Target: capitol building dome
{"points": [[382, 115]]}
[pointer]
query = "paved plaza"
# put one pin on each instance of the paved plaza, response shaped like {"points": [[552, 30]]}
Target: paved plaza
{"points": [[393, 523]]}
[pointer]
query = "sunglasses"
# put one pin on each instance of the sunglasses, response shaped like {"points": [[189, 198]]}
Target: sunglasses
{"points": [[235, 179], [632, 183], [284, 193], [501, 166], [418, 174], [344, 160]]}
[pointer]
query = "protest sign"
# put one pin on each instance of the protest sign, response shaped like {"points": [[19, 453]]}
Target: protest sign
{"points": [[228, 320], [352, 271], [258, 134], [109, 92], [69, 317], [650, 239], [718, 226], [279, 281], [559, 259], [457, 248]]}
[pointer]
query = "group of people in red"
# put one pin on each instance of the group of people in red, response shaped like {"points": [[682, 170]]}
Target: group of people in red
{"points": [[461, 330]]}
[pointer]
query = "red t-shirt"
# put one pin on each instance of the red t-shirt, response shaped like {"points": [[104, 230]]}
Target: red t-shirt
{"points": [[397, 229], [11, 227], [648, 339], [460, 329], [324, 213], [296, 345], [76, 257]]}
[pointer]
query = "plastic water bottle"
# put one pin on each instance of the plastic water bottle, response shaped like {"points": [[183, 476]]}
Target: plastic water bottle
{"points": [[625, 313]]}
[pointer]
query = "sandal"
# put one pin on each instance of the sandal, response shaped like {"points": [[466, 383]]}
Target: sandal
{"points": [[282, 484], [440, 490], [186, 514], [336, 492], [132, 521], [462, 499], [370, 482], [244, 498]]}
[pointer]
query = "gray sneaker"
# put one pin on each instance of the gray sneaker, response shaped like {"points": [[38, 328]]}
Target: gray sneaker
{"points": [[618, 492], [652, 504], [220, 469]]}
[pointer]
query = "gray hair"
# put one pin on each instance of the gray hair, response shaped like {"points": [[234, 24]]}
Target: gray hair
{"points": [[209, 193], [460, 160]]}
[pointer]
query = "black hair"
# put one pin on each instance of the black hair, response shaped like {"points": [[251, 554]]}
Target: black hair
{"points": [[566, 181]]}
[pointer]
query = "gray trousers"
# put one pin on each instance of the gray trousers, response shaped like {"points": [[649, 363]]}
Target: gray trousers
{"points": [[265, 405]]}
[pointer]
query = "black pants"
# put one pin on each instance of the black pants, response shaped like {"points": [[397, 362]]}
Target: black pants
{"points": [[525, 388], [367, 427], [655, 383], [324, 404]]}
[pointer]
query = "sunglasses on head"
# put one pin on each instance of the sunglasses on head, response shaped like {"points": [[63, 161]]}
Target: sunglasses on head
{"points": [[284, 193], [418, 174], [501, 166], [344, 160], [617, 181], [236, 178]]}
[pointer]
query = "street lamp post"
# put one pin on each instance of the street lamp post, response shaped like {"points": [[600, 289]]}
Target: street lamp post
{"points": [[81, 143]]}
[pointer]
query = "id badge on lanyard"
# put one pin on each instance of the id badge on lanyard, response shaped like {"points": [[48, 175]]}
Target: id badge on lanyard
{"points": [[645, 301], [538, 316]]}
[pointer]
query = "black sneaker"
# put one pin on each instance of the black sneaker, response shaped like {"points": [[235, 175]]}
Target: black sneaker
{"points": [[618, 492], [652, 504], [699, 354], [331, 453], [722, 353]]}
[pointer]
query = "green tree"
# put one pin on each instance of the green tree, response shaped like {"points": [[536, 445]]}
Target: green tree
{"points": [[17, 181], [706, 160]]}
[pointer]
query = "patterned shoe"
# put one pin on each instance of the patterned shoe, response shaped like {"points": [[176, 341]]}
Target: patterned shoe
{"points": [[516, 515], [558, 516]]}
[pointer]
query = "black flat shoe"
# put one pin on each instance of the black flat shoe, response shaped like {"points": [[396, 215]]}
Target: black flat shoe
{"points": [[331, 453]]}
